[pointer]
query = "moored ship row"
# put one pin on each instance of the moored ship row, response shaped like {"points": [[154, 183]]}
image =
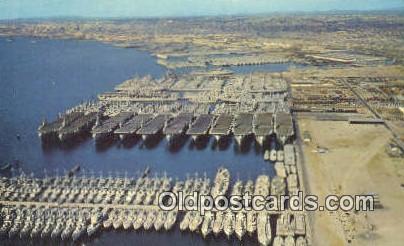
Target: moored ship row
{"points": [[125, 125], [71, 207]]}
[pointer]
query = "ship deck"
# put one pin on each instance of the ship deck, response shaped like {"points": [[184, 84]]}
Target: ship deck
{"points": [[283, 125], [134, 124], [155, 125], [243, 124], [263, 125], [87, 120], [178, 124], [54, 126], [112, 123], [201, 125], [222, 126]]}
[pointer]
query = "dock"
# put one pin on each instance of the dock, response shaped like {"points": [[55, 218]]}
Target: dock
{"points": [[133, 125], [284, 126], [104, 129], [81, 125], [243, 126], [154, 126], [222, 126], [263, 126], [201, 125]]}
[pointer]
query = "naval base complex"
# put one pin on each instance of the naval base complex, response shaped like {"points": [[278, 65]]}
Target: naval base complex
{"points": [[143, 109], [146, 108]]}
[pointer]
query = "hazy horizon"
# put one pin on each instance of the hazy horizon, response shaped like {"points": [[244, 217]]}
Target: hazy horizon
{"points": [[27, 9]]}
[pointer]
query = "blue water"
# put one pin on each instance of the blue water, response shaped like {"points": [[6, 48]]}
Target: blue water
{"points": [[40, 78]]}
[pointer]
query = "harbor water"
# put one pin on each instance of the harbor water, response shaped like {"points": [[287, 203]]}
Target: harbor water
{"points": [[41, 78]]}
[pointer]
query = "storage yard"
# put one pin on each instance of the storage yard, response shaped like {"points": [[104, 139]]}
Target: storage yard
{"points": [[355, 162]]}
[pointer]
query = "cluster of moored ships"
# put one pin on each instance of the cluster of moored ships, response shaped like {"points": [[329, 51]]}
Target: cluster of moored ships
{"points": [[75, 207], [126, 125]]}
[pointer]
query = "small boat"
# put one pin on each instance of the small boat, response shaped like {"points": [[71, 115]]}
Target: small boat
{"points": [[73, 171], [240, 225], [185, 221], [141, 217], [266, 155], [78, 232], [195, 222], [67, 232], [107, 223], [57, 231], [218, 223], [251, 222], [206, 228], [278, 241], [171, 218], [117, 223], [161, 217], [36, 231], [25, 231], [47, 230], [228, 224], [149, 222], [272, 155], [5, 167], [7, 224], [92, 229], [128, 221]]}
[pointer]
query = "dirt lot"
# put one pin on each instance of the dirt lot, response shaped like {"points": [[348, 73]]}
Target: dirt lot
{"points": [[356, 163]]}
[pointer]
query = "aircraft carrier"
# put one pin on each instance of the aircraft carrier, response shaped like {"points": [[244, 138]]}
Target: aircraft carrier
{"points": [[81, 126], [154, 127], [105, 129], [243, 126], [284, 127], [201, 126], [263, 126], [130, 128], [49, 131], [222, 126], [177, 126]]}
